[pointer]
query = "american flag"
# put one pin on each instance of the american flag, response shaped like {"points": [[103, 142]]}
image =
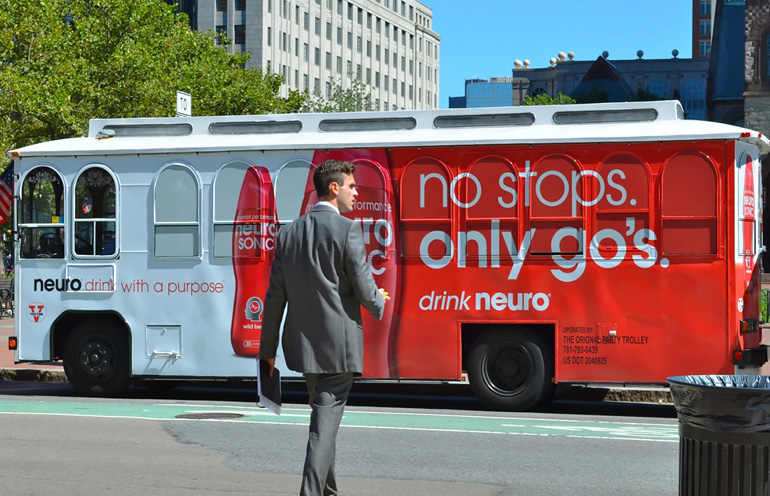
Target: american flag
{"points": [[6, 193]]}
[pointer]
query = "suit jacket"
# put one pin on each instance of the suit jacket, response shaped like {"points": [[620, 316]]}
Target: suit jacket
{"points": [[320, 271]]}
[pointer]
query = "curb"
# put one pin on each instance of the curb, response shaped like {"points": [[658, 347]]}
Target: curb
{"points": [[32, 375], [660, 396]]}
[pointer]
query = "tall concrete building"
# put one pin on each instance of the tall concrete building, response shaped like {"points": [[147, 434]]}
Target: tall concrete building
{"points": [[389, 45]]}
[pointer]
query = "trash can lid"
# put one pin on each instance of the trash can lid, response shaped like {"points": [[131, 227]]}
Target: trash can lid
{"points": [[723, 403]]}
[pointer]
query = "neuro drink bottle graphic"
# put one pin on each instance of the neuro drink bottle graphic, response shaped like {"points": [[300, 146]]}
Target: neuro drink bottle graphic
{"points": [[749, 218], [375, 210], [254, 231]]}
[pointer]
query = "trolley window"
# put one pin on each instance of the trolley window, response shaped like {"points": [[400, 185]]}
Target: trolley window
{"points": [[42, 214], [95, 213]]}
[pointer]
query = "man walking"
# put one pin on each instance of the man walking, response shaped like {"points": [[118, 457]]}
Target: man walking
{"points": [[320, 271]]}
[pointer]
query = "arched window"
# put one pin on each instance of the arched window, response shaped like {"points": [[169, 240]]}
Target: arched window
{"points": [[425, 202], [491, 219], [689, 205], [659, 88], [694, 99], [292, 180], [554, 211], [624, 205], [42, 214], [95, 210], [177, 212], [244, 210]]}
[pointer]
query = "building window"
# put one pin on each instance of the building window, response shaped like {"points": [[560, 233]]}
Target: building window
{"points": [[222, 5], [305, 52], [329, 31], [269, 36], [704, 47], [328, 61], [240, 34], [339, 35], [705, 27], [694, 99], [240, 4], [705, 7], [317, 56], [659, 88], [177, 212]]}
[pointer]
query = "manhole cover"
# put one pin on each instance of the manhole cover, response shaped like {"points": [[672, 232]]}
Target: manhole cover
{"points": [[210, 416]]}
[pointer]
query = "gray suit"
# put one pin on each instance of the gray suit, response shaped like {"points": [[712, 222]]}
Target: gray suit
{"points": [[320, 271]]}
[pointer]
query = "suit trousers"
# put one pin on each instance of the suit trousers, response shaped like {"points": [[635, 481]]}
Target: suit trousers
{"points": [[328, 396]]}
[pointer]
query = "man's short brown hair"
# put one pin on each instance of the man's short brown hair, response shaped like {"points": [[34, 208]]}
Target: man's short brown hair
{"points": [[331, 171]]}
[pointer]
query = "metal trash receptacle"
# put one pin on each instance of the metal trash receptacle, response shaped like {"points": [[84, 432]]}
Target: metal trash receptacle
{"points": [[724, 434]]}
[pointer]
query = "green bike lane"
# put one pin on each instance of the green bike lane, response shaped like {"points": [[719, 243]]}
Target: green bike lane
{"points": [[362, 419]]}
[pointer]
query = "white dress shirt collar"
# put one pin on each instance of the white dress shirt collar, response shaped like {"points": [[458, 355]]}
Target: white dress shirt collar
{"points": [[328, 204]]}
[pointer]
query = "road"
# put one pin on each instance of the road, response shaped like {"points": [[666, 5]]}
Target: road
{"points": [[213, 442]]}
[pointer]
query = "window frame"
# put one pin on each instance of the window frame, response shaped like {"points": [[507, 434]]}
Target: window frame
{"points": [[94, 220], [198, 246], [21, 225]]}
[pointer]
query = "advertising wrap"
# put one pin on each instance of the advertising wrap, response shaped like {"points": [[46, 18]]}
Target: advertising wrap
{"points": [[254, 232], [374, 209]]}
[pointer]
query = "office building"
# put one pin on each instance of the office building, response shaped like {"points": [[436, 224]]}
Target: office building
{"points": [[389, 45], [596, 81]]}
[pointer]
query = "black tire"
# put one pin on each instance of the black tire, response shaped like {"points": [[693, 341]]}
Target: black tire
{"points": [[511, 369], [96, 359]]}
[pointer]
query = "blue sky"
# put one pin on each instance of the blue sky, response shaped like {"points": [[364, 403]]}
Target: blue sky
{"points": [[482, 38]]}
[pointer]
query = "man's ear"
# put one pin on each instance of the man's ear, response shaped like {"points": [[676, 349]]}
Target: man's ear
{"points": [[334, 188]]}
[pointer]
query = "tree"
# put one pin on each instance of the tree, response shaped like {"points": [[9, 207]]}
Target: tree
{"points": [[643, 95], [67, 61], [356, 98], [546, 99]]}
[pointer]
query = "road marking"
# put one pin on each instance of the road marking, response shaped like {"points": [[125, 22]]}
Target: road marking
{"points": [[428, 422]]}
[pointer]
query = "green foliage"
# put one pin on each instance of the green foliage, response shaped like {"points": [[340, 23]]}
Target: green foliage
{"points": [[596, 95], [546, 99], [356, 98], [643, 95], [67, 61]]}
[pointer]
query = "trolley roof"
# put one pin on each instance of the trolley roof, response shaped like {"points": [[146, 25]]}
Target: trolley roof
{"points": [[531, 125]]}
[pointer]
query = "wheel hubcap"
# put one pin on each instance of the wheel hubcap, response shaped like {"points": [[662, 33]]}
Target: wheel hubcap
{"points": [[97, 357], [507, 368]]}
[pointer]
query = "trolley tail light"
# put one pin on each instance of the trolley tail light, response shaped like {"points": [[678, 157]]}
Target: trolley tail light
{"points": [[753, 356], [13, 343], [749, 326]]}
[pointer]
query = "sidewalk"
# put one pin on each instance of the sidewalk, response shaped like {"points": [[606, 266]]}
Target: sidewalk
{"points": [[10, 371]]}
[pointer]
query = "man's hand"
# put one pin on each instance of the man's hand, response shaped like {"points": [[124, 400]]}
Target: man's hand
{"points": [[271, 363], [384, 295]]}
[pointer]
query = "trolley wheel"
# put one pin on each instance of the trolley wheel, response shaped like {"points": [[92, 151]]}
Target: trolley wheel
{"points": [[511, 369], [96, 359]]}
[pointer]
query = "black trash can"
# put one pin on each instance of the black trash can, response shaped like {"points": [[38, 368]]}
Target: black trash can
{"points": [[724, 434]]}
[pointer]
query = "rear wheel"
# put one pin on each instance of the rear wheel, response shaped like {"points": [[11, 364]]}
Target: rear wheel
{"points": [[511, 369], [96, 359]]}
